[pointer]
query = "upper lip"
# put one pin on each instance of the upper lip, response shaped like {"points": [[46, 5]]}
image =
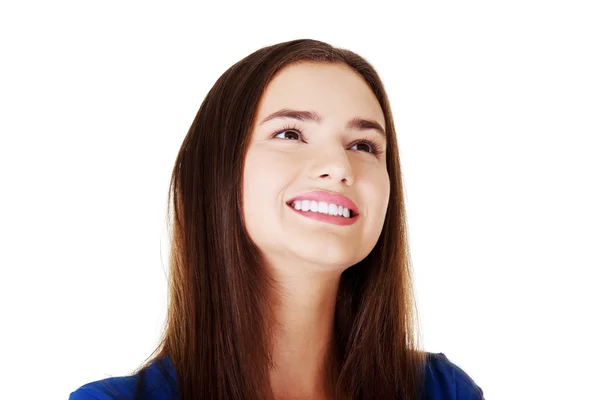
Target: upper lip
{"points": [[327, 197]]}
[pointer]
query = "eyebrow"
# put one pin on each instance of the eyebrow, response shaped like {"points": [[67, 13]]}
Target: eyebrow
{"points": [[357, 123]]}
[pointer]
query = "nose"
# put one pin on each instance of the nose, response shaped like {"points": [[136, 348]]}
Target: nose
{"points": [[332, 165]]}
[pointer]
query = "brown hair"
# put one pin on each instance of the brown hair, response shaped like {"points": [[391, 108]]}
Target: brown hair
{"points": [[217, 329]]}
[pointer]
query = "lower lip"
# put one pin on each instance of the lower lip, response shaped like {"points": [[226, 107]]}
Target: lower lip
{"points": [[326, 218]]}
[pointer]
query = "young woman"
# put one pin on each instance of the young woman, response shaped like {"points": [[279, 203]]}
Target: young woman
{"points": [[290, 274]]}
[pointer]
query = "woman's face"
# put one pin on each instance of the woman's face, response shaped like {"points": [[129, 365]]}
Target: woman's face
{"points": [[288, 157]]}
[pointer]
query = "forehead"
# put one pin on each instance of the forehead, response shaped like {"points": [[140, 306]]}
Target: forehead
{"points": [[333, 90]]}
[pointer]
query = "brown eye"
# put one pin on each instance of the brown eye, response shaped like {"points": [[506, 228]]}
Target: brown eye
{"points": [[289, 134], [366, 146], [371, 147]]}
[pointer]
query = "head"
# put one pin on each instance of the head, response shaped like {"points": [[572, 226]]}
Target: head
{"points": [[317, 127], [234, 230]]}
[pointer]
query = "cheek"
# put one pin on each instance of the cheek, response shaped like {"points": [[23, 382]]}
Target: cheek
{"points": [[263, 170], [379, 194], [266, 176]]}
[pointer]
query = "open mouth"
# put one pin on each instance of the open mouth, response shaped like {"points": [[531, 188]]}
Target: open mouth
{"points": [[329, 211]]}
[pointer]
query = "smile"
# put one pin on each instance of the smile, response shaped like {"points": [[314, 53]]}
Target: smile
{"points": [[320, 216]]}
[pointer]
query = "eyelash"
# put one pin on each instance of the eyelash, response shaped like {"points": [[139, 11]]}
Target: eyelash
{"points": [[377, 150]]}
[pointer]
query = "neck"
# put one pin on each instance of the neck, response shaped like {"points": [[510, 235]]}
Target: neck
{"points": [[302, 339]]}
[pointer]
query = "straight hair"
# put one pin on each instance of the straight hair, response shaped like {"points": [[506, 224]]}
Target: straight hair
{"points": [[218, 328]]}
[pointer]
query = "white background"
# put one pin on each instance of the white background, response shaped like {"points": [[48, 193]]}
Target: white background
{"points": [[497, 108]]}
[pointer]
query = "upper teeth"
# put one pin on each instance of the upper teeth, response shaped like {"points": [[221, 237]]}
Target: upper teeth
{"points": [[321, 207]]}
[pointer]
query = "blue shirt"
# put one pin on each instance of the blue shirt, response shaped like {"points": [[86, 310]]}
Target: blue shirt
{"points": [[443, 381]]}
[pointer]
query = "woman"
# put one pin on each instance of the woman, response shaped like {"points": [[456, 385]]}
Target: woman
{"points": [[290, 271]]}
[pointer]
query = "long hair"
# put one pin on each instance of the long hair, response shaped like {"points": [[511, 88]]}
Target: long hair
{"points": [[217, 329]]}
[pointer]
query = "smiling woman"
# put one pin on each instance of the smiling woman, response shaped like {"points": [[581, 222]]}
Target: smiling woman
{"points": [[336, 154], [290, 273]]}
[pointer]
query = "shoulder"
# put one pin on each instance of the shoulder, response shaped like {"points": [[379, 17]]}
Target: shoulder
{"points": [[105, 389], [155, 382], [446, 380]]}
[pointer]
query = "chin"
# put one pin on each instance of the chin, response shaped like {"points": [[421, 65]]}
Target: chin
{"points": [[332, 259]]}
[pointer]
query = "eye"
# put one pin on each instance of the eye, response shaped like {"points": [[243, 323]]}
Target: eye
{"points": [[292, 132], [367, 145], [288, 131], [373, 147], [288, 134]]}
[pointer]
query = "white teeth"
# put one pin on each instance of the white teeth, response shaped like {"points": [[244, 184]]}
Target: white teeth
{"points": [[314, 206], [305, 205], [324, 208], [321, 207], [333, 209]]}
